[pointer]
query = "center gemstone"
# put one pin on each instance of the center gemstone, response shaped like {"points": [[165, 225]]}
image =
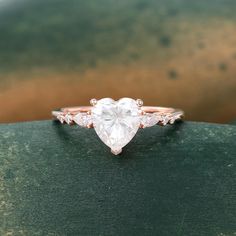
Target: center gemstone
{"points": [[116, 122]]}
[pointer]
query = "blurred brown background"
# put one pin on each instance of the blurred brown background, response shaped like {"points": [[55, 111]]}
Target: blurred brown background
{"points": [[179, 53]]}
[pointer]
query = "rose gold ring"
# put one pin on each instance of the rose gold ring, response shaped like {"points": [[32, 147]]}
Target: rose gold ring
{"points": [[117, 122]]}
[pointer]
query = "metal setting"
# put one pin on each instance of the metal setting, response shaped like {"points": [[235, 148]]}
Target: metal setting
{"points": [[112, 119]]}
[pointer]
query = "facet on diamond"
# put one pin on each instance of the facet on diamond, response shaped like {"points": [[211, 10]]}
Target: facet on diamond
{"points": [[150, 119], [165, 119], [83, 119], [61, 118], [116, 122], [68, 118]]}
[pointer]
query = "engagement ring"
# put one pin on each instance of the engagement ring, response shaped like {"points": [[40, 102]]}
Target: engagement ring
{"points": [[117, 122]]}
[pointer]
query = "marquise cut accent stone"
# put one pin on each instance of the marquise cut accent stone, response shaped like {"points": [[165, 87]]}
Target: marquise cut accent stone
{"points": [[116, 122], [150, 119], [83, 119]]}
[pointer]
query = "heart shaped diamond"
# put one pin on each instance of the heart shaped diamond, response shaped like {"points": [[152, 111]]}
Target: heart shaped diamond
{"points": [[116, 122]]}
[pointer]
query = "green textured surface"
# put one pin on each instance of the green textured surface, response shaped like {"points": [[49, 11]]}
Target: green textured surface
{"points": [[61, 180]]}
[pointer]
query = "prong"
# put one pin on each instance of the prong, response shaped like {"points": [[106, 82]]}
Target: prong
{"points": [[61, 118], [68, 119], [93, 101], [139, 102], [116, 152], [90, 126], [141, 126], [141, 112]]}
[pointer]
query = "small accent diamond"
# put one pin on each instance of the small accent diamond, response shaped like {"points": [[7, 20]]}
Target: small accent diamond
{"points": [[150, 119], [172, 120], [165, 119], [83, 119], [61, 118], [68, 118]]}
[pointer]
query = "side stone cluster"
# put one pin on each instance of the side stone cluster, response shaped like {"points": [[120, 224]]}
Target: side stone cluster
{"points": [[146, 120], [151, 119], [82, 119]]}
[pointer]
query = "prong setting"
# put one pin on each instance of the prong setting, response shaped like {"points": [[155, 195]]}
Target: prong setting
{"points": [[89, 126], [139, 102], [116, 152], [126, 113], [93, 101], [68, 118]]}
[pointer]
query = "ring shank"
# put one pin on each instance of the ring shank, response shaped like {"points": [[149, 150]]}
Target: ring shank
{"points": [[147, 109], [167, 114]]}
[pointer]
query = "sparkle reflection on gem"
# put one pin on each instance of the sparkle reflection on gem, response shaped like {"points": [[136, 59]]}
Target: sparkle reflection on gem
{"points": [[116, 122]]}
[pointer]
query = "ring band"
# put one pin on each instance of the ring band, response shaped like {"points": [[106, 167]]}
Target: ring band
{"points": [[116, 122]]}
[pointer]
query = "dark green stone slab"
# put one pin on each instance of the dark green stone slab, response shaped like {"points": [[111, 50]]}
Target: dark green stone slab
{"points": [[174, 180]]}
